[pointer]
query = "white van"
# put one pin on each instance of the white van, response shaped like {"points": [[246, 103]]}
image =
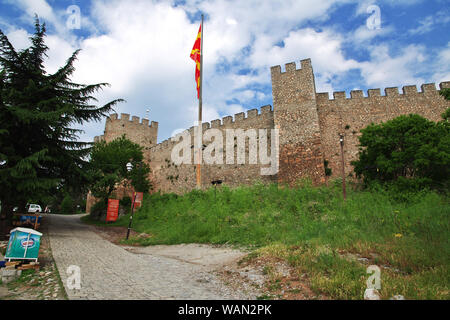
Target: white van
{"points": [[34, 208]]}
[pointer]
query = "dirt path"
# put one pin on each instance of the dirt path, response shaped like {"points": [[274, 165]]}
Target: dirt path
{"points": [[210, 257], [109, 271]]}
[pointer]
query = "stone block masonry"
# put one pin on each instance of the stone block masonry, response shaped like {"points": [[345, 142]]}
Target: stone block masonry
{"points": [[142, 133], [10, 274], [296, 116], [169, 177], [350, 115], [309, 124]]}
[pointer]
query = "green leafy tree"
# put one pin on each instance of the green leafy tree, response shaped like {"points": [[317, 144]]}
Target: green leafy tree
{"points": [[39, 148], [446, 115], [67, 205], [109, 167], [98, 209], [445, 93], [404, 148], [125, 203]]}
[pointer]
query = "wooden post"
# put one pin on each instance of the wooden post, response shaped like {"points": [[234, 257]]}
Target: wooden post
{"points": [[36, 222]]}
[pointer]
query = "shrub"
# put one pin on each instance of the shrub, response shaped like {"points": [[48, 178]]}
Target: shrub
{"points": [[98, 210], [67, 206], [125, 203], [407, 147], [83, 206]]}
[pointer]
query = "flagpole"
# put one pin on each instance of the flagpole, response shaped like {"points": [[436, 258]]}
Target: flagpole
{"points": [[199, 166]]}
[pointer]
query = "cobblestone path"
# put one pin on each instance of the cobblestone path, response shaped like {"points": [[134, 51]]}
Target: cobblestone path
{"points": [[109, 271]]}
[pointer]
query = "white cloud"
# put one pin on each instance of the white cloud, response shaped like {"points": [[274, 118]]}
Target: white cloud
{"points": [[425, 25], [142, 49], [442, 66], [19, 38], [429, 23], [39, 7], [324, 49], [246, 96], [364, 34], [385, 70], [362, 6]]}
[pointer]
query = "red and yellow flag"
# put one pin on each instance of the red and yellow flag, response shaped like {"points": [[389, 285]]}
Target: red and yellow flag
{"points": [[196, 56]]}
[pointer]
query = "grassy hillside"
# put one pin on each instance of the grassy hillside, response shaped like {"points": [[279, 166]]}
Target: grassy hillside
{"points": [[317, 233]]}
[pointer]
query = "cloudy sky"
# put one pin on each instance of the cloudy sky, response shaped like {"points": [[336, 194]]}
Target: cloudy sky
{"points": [[142, 47]]}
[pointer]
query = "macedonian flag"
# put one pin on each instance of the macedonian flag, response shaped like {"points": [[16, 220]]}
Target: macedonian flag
{"points": [[196, 56]]}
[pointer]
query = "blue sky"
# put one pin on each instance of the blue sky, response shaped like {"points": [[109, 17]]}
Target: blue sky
{"points": [[142, 49]]}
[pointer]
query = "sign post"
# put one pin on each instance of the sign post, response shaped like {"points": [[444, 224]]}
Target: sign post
{"points": [[113, 210], [131, 216], [138, 200]]}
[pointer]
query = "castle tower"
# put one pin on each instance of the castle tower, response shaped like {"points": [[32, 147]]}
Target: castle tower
{"points": [[296, 116], [142, 133]]}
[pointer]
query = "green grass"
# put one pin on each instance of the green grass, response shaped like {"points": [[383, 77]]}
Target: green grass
{"points": [[311, 228], [60, 283]]}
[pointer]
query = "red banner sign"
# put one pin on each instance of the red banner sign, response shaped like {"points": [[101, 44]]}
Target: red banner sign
{"points": [[139, 199], [113, 210]]}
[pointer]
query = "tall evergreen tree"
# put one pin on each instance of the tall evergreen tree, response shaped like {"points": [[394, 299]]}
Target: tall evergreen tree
{"points": [[39, 148]]}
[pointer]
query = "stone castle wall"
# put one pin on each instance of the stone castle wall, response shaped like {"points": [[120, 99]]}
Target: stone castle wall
{"points": [[309, 124], [169, 177], [348, 115]]}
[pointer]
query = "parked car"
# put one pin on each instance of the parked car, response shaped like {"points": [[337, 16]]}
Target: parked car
{"points": [[34, 208]]}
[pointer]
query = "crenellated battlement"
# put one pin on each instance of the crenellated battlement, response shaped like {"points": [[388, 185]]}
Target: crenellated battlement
{"points": [[291, 67], [428, 89], [164, 145], [99, 138], [140, 131], [374, 93], [239, 121], [241, 117], [444, 85], [125, 117]]}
